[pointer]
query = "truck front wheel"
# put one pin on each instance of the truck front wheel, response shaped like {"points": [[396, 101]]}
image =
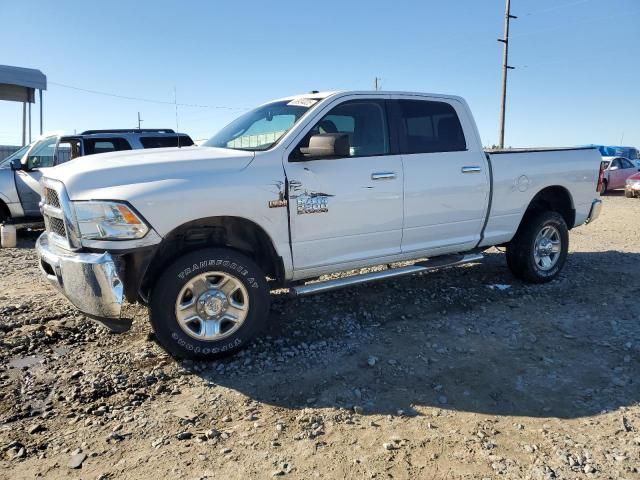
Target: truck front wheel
{"points": [[209, 303], [539, 250]]}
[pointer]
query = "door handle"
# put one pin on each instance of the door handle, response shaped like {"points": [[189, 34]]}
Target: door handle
{"points": [[473, 169], [383, 175]]}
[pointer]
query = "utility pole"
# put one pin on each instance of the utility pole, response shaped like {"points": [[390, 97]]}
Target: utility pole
{"points": [[139, 121], [376, 83], [505, 68]]}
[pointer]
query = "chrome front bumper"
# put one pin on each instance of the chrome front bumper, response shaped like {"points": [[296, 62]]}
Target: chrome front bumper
{"points": [[89, 280], [594, 213]]}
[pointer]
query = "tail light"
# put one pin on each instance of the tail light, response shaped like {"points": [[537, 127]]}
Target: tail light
{"points": [[601, 176]]}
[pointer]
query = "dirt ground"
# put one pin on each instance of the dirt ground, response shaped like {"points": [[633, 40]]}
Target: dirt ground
{"points": [[464, 373]]}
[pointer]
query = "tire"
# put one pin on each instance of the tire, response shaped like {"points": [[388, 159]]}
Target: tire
{"points": [[512, 262], [4, 213], [193, 301], [603, 188], [532, 255], [628, 193]]}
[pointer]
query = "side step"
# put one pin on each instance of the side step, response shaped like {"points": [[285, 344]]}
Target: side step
{"points": [[444, 261]]}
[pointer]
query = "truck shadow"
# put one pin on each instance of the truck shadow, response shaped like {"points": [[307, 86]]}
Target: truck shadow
{"points": [[457, 339]]}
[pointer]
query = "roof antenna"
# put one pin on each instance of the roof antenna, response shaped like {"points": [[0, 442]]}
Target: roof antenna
{"points": [[175, 102], [139, 120]]}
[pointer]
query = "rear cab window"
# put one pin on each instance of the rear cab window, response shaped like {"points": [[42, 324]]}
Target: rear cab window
{"points": [[168, 141], [103, 145], [427, 126]]}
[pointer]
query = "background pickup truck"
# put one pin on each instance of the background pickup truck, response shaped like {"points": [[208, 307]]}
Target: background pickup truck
{"points": [[296, 189], [20, 173]]}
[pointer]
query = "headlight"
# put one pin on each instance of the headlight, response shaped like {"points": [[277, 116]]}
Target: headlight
{"points": [[108, 221]]}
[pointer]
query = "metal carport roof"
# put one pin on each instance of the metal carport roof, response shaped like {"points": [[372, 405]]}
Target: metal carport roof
{"points": [[18, 84]]}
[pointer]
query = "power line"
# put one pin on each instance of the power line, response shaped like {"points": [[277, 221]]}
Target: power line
{"points": [[140, 99], [558, 7]]}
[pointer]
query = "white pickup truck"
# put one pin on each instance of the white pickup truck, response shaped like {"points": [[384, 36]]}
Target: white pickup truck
{"points": [[296, 189]]}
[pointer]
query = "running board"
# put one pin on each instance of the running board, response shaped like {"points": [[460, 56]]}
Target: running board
{"points": [[444, 261]]}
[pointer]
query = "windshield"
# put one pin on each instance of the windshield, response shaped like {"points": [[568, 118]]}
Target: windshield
{"points": [[17, 154], [260, 129]]}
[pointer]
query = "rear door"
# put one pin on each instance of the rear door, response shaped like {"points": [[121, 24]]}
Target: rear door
{"points": [[446, 181], [346, 210]]}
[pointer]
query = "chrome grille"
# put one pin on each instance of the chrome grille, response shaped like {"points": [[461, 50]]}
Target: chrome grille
{"points": [[55, 209], [51, 197], [57, 226]]}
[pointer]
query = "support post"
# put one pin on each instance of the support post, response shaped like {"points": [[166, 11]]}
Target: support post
{"points": [[505, 69], [24, 123], [40, 91]]}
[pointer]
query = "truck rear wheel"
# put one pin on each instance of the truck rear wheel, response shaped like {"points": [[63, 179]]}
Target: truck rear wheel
{"points": [[539, 250], [209, 303]]}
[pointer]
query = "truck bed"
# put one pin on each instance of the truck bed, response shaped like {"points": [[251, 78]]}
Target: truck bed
{"points": [[517, 175], [498, 151]]}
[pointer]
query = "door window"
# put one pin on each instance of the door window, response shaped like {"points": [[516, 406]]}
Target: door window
{"points": [[363, 121], [428, 127], [68, 149], [626, 163], [616, 163], [42, 154]]}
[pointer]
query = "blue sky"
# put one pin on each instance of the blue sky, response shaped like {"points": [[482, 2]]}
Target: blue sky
{"points": [[576, 81]]}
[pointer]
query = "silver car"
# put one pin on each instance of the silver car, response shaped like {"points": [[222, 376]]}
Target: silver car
{"points": [[20, 173]]}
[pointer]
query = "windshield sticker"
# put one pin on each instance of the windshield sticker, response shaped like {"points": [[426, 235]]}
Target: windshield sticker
{"points": [[303, 102]]}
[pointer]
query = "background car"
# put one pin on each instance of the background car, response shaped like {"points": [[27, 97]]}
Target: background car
{"points": [[20, 173], [92, 142], [632, 187], [616, 170]]}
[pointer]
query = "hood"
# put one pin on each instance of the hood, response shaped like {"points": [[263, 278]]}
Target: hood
{"points": [[88, 177]]}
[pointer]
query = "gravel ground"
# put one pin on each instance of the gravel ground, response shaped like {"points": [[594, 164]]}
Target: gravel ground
{"points": [[464, 373]]}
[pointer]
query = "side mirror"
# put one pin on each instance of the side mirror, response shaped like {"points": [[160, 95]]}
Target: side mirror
{"points": [[15, 164], [327, 145]]}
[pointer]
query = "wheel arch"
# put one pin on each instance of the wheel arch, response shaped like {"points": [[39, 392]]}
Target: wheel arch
{"points": [[555, 198], [237, 233]]}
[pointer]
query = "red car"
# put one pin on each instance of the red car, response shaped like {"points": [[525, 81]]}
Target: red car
{"points": [[632, 187], [614, 171]]}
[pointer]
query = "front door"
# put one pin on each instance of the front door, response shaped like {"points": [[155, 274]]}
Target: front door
{"points": [[446, 182], [40, 157], [346, 211]]}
